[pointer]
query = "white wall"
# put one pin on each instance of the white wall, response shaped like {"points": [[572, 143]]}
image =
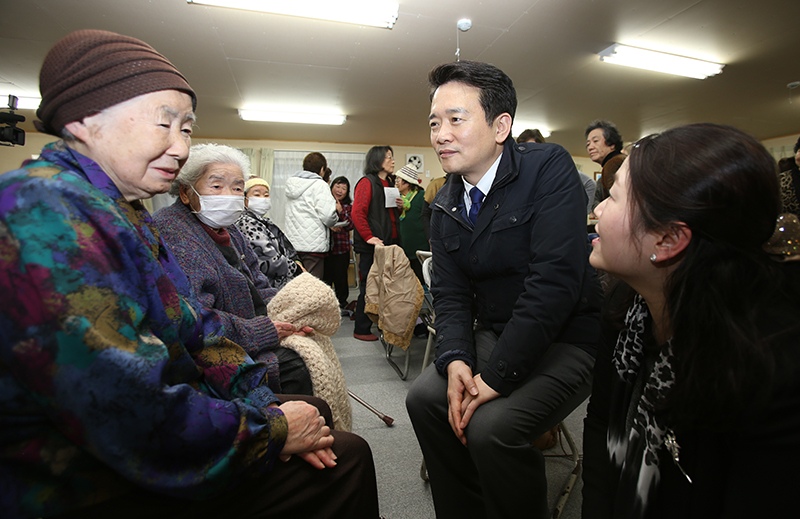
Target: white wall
{"points": [[432, 168], [782, 146], [11, 158]]}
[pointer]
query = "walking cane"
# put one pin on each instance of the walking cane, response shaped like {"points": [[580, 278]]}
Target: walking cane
{"points": [[388, 420]]}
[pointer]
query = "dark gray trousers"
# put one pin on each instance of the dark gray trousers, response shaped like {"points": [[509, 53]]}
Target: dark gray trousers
{"points": [[499, 474]]}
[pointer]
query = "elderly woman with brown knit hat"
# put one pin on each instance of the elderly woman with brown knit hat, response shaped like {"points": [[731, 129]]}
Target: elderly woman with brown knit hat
{"points": [[120, 396], [277, 257]]}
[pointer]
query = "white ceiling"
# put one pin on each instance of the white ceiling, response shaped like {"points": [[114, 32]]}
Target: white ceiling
{"points": [[378, 76]]}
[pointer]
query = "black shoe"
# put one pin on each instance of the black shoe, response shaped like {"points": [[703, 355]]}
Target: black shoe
{"points": [[421, 331]]}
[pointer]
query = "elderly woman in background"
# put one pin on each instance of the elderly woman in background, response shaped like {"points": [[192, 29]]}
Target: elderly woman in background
{"points": [[412, 198], [222, 268], [699, 379], [120, 396], [277, 258], [338, 259]]}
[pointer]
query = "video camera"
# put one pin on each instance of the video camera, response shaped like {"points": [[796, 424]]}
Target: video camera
{"points": [[9, 133]]}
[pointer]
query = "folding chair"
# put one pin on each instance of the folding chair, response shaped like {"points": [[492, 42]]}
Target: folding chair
{"points": [[393, 254], [577, 459], [426, 314], [427, 270]]}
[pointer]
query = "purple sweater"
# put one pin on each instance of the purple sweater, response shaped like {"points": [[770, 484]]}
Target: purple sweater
{"points": [[220, 287]]}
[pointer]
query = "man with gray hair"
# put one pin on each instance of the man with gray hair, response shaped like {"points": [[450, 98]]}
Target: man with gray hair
{"points": [[604, 144]]}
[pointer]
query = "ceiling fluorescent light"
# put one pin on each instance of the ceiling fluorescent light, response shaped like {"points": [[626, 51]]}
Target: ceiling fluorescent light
{"points": [[659, 61], [376, 13], [291, 117]]}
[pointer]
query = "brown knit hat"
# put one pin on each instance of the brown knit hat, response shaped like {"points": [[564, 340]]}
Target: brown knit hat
{"points": [[90, 70]]}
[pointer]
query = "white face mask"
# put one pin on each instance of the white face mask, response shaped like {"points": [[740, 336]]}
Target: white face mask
{"points": [[218, 211], [259, 205]]}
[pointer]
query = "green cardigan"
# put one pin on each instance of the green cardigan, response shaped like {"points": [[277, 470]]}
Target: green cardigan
{"points": [[412, 234]]}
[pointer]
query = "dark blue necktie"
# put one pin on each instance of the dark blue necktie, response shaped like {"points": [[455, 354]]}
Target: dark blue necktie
{"points": [[477, 198]]}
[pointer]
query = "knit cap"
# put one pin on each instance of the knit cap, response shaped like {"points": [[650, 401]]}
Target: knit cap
{"points": [[90, 70], [255, 181], [409, 174]]}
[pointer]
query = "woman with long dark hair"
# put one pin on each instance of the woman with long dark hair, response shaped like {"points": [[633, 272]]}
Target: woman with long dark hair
{"points": [[695, 410], [338, 259], [374, 223]]}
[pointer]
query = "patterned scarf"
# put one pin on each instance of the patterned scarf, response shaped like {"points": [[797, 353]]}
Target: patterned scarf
{"points": [[635, 432]]}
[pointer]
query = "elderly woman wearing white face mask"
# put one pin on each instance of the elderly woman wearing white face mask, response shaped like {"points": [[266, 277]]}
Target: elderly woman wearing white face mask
{"points": [[222, 268], [277, 257], [120, 396]]}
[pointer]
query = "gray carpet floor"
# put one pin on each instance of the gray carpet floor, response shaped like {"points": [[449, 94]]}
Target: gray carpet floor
{"points": [[402, 493]]}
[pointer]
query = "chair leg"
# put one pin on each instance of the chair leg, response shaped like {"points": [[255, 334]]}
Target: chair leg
{"points": [[572, 479], [428, 348], [388, 348]]}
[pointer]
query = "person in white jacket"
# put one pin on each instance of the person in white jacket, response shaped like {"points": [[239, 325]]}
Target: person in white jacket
{"points": [[310, 213]]}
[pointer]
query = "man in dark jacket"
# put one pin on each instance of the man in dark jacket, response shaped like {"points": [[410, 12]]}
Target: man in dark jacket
{"points": [[517, 303], [604, 145]]}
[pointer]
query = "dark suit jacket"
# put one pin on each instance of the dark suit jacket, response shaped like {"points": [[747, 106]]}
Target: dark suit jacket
{"points": [[523, 271]]}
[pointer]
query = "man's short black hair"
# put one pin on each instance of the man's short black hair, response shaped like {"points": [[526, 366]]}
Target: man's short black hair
{"points": [[610, 133], [497, 94]]}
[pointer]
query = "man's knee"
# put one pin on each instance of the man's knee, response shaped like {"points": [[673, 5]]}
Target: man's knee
{"points": [[425, 395], [415, 400], [490, 428]]}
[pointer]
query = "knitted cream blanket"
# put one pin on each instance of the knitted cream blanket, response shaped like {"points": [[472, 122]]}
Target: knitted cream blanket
{"points": [[307, 301]]}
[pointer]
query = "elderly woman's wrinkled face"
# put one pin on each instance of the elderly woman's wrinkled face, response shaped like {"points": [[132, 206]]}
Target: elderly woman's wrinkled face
{"points": [[217, 179], [401, 185], [259, 191], [141, 143]]}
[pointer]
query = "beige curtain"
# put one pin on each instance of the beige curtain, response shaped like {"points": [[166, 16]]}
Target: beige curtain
{"points": [[267, 162], [251, 154]]}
